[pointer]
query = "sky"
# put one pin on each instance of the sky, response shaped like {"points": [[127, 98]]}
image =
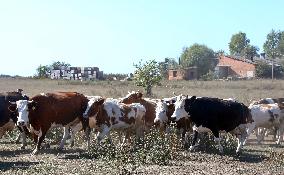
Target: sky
{"points": [[115, 34]]}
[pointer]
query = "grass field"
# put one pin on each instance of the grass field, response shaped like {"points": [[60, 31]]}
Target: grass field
{"points": [[165, 158]]}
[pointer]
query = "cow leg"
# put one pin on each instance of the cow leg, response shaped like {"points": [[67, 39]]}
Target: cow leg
{"points": [[65, 136], [217, 140], [194, 139], [280, 135], [105, 131], [74, 130], [40, 137], [87, 136], [109, 137], [260, 136], [18, 137], [24, 140], [250, 128], [241, 139]]}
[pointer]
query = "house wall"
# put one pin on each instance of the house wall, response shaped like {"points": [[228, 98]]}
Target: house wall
{"points": [[183, 74], [238, 67], [178, 76]]}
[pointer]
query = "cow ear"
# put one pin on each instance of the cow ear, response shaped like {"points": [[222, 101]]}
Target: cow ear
{"points": [[139, 94], [193, 98], [32, 105], [101, 101], [12, 108]]}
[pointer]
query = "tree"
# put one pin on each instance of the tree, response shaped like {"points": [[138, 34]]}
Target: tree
{"points": [[147, 75], [200, 56], [59, 65], [238, 43], [271, 45], [42, 71], [250, 51], [281, 44]]}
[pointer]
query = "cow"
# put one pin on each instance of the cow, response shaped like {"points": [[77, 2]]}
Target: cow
{"points": [[266, 116], [215, 115], [106, 115], [8, 115], [45, 111], [280, 103], [150, 106], [164, 111]]}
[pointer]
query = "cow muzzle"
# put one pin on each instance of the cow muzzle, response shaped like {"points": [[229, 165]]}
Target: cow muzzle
{"points": [[173, 119], [21, 123]]}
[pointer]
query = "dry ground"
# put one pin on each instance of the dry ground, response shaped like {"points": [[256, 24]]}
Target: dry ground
{"points": [[256, 159]]}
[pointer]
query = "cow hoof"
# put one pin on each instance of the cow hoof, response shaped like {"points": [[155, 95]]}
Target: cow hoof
{"points": [[23, 147], [191, 148]]}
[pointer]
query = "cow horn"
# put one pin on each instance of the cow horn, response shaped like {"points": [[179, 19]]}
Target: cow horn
{"points": [[12, 102], [30, 101], [174, 94]]}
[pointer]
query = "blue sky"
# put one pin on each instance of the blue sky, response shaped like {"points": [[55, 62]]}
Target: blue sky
{"points": [[113, 35]]}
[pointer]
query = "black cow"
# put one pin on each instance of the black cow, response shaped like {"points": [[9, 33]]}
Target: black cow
{"points": [[215, 115], [8, 116]]}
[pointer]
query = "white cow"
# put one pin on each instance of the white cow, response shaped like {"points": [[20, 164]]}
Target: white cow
{"points": [[265, 116]]}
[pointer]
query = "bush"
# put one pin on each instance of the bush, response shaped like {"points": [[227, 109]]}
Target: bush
{"points": [[153, 149]]}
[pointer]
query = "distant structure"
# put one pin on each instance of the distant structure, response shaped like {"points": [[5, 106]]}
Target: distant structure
{"points": [[235, 67], [77, 73], [189, 73]]}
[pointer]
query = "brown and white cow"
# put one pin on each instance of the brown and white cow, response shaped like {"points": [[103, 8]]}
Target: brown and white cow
{"points": [[49, 110], [107, 115], [150, 106]]}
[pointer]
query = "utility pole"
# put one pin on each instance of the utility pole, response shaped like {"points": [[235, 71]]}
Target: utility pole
{"points": [[272, 67]]}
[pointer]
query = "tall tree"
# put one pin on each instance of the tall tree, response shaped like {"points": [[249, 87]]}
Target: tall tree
{"points": [[147, 75], [42, 71], [238, 43], [281, 44], [200, 56], [271, 45]]}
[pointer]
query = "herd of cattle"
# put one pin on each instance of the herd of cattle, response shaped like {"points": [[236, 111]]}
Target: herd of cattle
{"points": [[134, 114]]}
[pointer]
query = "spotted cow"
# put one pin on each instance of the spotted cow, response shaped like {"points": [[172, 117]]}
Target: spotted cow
{"points": [[150, 106], [106, 115]]}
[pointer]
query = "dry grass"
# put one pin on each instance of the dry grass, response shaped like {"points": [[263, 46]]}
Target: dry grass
{"points": [[243, 91]]}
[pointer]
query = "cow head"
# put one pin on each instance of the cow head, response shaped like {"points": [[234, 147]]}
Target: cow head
{"points": [[182, 106], [132, 97], [23, 107], [161, 114], [94, 107]]}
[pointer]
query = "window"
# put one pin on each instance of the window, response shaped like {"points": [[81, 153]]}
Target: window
{"points": [[175, 73]]}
